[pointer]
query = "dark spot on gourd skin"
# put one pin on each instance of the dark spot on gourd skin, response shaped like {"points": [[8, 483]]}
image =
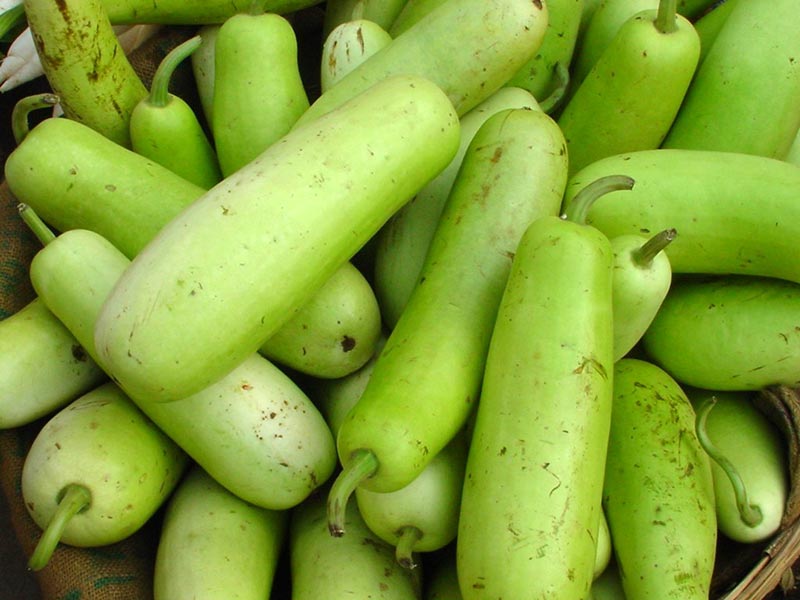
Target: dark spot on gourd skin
{"points": [[348, 343], [78, 353]]}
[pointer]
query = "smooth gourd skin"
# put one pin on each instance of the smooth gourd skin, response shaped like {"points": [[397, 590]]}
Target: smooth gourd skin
{"points": [[348, 45], [91, 75], [43, 367], [338, 328], [202, 61], [745, 96], [710, 24], [728, 332], [630, 97], [537, 75], [403, 243], [254, 431], [604, 551], [638, 291], [747, 438], [357, 565], [213, 544], [258, 92], [73, 177], [202, 12], [600, 28], [173, 136], [181, 318], [427, 378], [531, 503], [104, 442], [734, 213], [335, 397], [658, 492], [494, 39]]}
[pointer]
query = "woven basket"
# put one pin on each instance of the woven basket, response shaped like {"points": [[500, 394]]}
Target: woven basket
{"points": [[124, 571]]}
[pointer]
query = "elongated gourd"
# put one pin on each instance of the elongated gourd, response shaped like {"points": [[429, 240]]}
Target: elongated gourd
{"points": [[213, 544], [531, 503], [43, 368], [96, 472], [254, 106], [402, 244], [427, 378], [494, 39], [745, 96], [181, 318], [728, 332], [73, 177], [91, 75], [201, 12], [658, 491], [255, 431], [734, 213]]}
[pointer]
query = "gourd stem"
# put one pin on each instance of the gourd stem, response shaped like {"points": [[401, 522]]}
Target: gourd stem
{"points": [[578, 209], [750, 514], [404, 548], [362, 464], [42, 232], [20, 126], [561, 78], [74, 499], [666, 16], [159, 88], [645, 253]]}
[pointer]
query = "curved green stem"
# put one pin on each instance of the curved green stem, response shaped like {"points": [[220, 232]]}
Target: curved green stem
{"points": [[750, 513], [404, 548], [20, 126], [159, 88], [666, 16], [645, 254], [362, 465], [561, 78], [42, 232], [74, 499], [578, 209]]}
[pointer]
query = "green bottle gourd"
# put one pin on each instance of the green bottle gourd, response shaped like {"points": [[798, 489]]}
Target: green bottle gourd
{"points": [[258, 92], [280, 220], [165, 129], [658, 491]]}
